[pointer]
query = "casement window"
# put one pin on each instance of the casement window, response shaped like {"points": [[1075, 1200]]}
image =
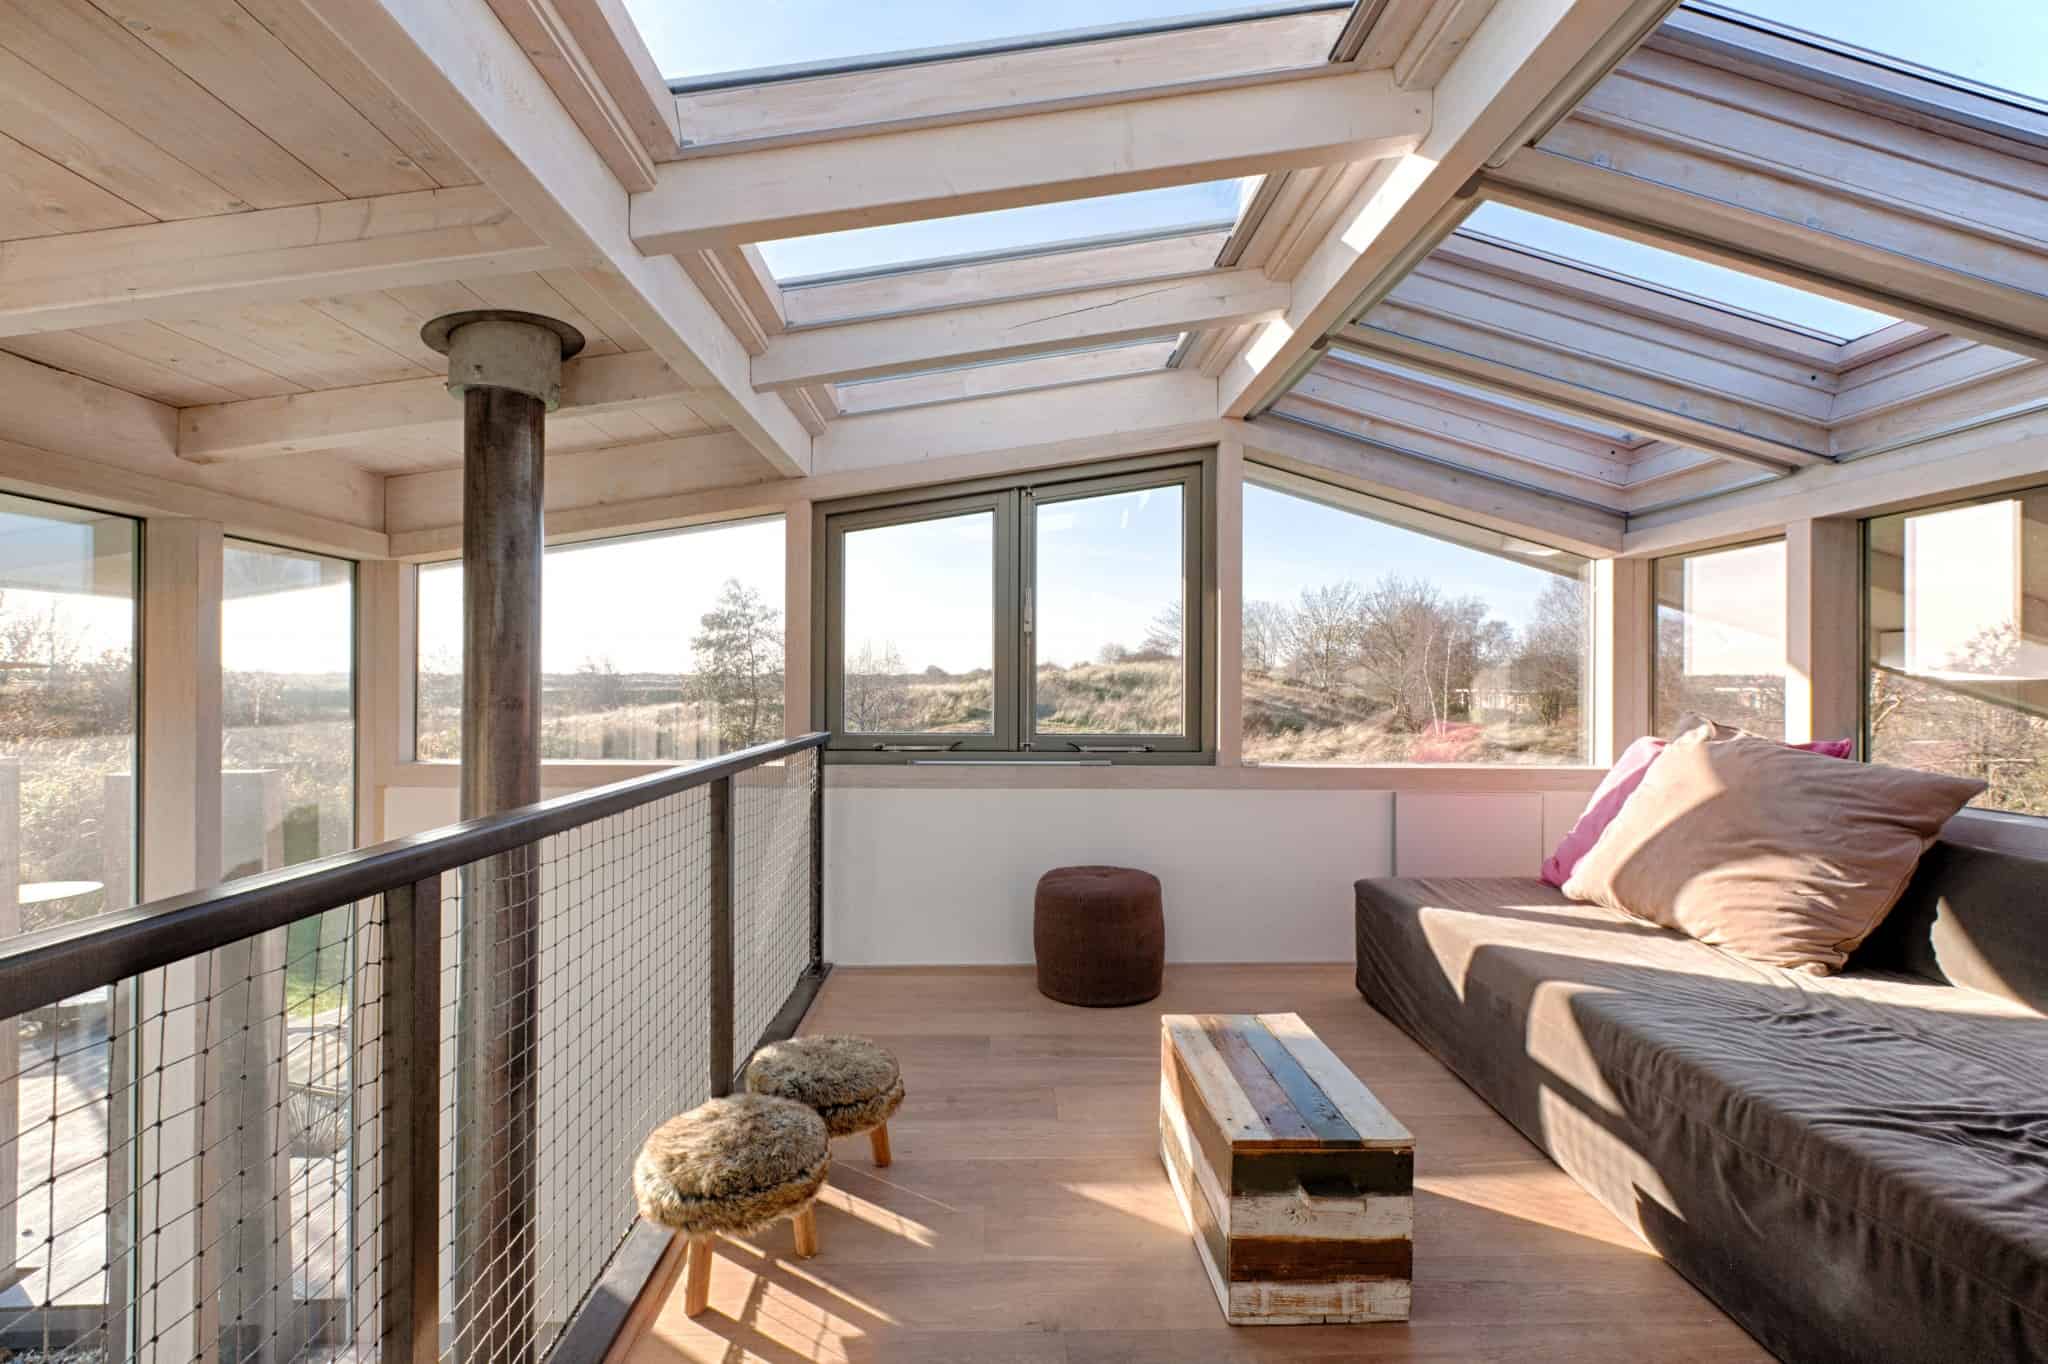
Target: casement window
{"points": [[1720, 638], [1377, 634], [1956, 645], [1056, 617]]}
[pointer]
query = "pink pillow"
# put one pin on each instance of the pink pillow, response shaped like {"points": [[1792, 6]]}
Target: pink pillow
{"points": [[1618, 785]]}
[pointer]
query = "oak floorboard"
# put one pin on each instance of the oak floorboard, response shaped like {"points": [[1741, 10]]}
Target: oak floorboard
{"points": [[1027, 1219]]}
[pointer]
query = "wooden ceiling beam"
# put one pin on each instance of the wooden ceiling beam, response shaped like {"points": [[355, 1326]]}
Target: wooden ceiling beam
{"points": [[469, 80], [1168, 139], [337, 418], [1521, 60], [851, 351], [1637, 411], [181, 269]]}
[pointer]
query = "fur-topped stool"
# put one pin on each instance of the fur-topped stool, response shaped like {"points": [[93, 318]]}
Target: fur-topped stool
{"points": [[732, 1165], [852, 1083]]}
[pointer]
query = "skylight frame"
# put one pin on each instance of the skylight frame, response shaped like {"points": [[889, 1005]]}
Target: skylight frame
{"points": [[904, 57]]}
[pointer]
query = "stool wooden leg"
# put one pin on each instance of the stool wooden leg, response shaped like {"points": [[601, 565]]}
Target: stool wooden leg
{"points": [[807, 1231], [878, 1139], [697, 1277]]}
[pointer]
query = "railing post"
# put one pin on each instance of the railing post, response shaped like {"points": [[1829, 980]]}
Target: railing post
{"points": [[409, 1068], [817, 860], [721, 948]]}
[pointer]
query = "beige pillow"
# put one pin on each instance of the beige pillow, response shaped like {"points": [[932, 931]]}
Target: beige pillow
{"points": [[1784, 857]]}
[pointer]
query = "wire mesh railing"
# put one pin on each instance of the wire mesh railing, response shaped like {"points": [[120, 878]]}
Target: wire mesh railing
{"points": [[384, 1105]]}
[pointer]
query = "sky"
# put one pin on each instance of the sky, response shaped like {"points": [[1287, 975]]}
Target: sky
{"points": [[1291, 544], [2001, 43], [635, 601]]}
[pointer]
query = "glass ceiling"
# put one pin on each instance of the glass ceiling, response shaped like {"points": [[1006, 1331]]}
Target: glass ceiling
{"points": [[1675, 273], [1007, 231], [710, 42], [2002, 44]]}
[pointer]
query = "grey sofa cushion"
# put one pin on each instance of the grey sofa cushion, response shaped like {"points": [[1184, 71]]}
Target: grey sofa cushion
{"points": [[1853, 1167], [1972, 918]]}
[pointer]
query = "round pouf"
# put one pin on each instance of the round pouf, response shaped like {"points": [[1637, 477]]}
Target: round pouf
{"points": [[853, 1084], [1100, 934], [732, 1165]]}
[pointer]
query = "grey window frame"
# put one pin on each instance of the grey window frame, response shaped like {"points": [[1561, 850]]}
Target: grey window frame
{"points": [[1015, 498]]}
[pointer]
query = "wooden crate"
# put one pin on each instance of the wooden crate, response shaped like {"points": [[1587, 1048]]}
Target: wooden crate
{"points": [[1297, 1183]]}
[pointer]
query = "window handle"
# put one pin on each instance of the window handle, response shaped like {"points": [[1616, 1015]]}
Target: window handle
{"points": [[1112, 748], [917, 748], [1028, 610]]}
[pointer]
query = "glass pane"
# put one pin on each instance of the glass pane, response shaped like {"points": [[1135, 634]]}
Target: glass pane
{"points": [[1007, 231], [1958, 640], [701, 38], [67, 759], [1996, 43], [1108, 614], [1676, 273], [919, 638], [67, 708], [1378, 634], [654, 648], [1721, 639], [288, 707]]}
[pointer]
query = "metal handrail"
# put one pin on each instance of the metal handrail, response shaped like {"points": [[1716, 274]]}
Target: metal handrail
{"points": [[38, 969]]}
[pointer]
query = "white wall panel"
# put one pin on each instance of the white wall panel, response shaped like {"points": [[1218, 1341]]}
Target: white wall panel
{"points": [[1482, 834]]}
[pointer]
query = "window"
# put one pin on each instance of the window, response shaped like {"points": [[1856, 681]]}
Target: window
{"points": [[288, 755], [967, 237], [1675, 273], [1721, 638], [1052, 619], [711, 42], [1956, 630], [1374, 633], [1992, 43], [67, 710], [654, 648]]}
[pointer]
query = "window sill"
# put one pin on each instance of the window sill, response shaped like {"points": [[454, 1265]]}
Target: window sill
{"points": [[1184, 776]]}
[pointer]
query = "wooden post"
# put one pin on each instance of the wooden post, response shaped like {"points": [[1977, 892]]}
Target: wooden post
{"points": [[10, 1028], [1227, 616], [1622, 636], [409, 1067], [1823, 630], [507, 368]]}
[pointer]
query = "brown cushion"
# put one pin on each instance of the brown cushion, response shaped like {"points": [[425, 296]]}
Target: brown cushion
{"points": [[1971, 917], [1784, 857], [1099, 935]]}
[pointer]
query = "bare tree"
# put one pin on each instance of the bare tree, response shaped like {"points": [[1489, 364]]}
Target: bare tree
{"points": [[1322, 635], [1549, 662], [1163, 637], [1266, 626], [877, 694]]}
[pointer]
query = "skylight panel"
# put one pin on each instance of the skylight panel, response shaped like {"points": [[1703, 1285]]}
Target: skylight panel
{"points": [[1995, 44], [1675, 273], [1006, 231], [710, 42]]}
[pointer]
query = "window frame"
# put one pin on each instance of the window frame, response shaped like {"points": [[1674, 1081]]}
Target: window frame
{"points": [[1014, 738]]}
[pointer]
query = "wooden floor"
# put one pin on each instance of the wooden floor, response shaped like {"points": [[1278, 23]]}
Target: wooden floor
{"points": [[1027, 1217]]}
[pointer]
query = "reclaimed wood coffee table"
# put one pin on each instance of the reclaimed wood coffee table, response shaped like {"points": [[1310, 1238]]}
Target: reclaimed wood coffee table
{"points": [[1297, 1183]]}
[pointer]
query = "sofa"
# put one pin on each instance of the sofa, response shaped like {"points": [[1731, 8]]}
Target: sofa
{"points": [[1854, 1167]]}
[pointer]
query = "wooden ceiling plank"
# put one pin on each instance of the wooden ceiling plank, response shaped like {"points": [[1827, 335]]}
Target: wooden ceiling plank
{"points": [[532, 294], [244, 65], [72, 42], [160, 344], [303, 345], [39, 198], [77, 353], [43, 114], [314, 45]]}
